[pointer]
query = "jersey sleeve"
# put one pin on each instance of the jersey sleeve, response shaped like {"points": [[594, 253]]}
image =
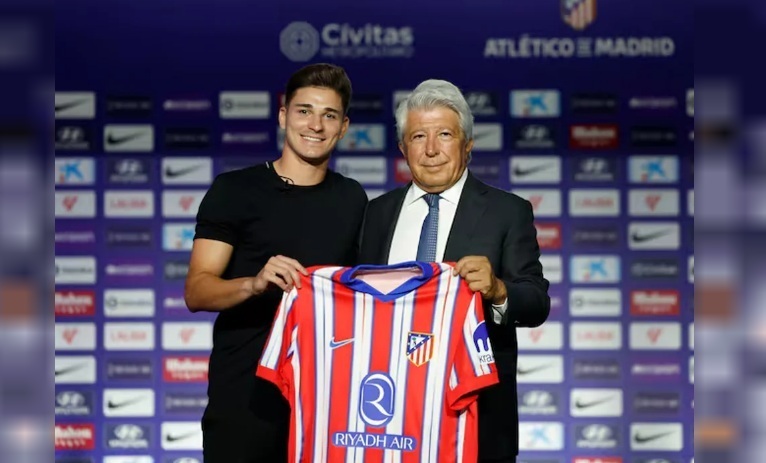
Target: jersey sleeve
{"points": [[216, 216], [473, 365], [274, 365]]}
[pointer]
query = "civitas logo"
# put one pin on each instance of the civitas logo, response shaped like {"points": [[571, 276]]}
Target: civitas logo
{"points": [[300, 41]]}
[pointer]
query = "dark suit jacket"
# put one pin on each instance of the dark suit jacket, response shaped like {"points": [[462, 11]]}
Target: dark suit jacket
{"points": [[499, 225]]}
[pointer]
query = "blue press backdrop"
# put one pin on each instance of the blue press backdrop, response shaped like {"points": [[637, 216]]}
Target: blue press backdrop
{"points": [[590, 103]]}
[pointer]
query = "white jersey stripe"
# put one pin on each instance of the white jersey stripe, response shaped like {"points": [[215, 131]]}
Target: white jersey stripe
{"points": [[295, 362], [360, 366], [329, 326], [443, 314], [270, 358], [425, 434], [399, 366], [461, 436], [443, 355]]}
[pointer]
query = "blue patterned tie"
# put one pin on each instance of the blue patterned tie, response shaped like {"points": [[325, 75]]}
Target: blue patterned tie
{"points": [[430, 230]]}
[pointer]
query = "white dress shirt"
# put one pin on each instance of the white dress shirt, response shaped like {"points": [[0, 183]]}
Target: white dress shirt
{"points": [[404, 245]]}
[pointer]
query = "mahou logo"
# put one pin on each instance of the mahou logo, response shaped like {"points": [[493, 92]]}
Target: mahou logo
{"points": [[75, 303], [655, 303], [185, 369], [593, 136], [548, 235], [74, 437]]}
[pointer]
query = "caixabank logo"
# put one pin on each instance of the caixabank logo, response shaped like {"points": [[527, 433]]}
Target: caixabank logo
{"points": [[300, 41]]}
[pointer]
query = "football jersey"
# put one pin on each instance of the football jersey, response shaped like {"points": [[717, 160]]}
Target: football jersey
{"points": [[376, 376]]}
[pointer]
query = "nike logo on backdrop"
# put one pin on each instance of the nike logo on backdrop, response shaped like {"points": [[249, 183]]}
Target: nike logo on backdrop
{"points": [[66, 370], [520, 172], [639, 238], [170, 172], [592, 403], [115, 140], [124, 403], [335, 344], [69, 105], [174, 438], [641, 438], [527, 371]]}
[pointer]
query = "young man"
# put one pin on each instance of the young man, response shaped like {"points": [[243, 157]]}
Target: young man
{"points": [[447, 215], [257, 228]]}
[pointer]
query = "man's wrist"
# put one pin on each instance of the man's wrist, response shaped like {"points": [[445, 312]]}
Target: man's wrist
{"points": [[500, 294]]}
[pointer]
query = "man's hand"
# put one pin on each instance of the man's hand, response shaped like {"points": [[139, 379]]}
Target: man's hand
{"points": [[477, 271], [279, 271]]}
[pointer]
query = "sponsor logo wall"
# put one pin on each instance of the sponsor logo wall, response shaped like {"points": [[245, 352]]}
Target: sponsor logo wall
{"points": [[599, 149]]}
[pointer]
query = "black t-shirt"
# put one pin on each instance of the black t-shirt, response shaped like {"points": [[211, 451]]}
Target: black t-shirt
{"points": [[261, 216]]}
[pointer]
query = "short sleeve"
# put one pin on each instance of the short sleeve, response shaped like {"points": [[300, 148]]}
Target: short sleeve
{"points": [[280, 346], [216, 218], [473, 365]]}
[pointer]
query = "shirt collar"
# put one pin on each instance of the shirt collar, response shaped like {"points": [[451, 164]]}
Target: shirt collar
{"points": [[452, 194]]}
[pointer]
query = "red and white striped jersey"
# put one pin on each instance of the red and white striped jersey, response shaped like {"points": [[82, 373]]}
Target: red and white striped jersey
{"points": [[381, 377]]}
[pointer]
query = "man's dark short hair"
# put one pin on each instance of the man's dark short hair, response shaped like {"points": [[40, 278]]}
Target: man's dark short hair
{"points": [[321, 75]]}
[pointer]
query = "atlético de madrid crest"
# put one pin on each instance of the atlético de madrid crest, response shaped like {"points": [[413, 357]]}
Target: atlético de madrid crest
{"points": [[420, 347], [578, 13]]}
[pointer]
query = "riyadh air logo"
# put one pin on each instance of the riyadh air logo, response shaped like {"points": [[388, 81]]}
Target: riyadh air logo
{"points": [[376, 402], [535, 103], [579, 14], [420, 347]]}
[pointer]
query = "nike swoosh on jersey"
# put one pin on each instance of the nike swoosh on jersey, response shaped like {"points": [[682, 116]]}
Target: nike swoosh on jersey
{"points": [[169, 172], [114, 140], [335, 344], [638, 238]]}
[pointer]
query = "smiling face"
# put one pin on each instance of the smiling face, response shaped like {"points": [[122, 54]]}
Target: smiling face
{"points": [[435, 148], [313, 122]]}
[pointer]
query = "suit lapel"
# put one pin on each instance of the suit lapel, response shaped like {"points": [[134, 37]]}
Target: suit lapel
{"points": [[470, 208]]}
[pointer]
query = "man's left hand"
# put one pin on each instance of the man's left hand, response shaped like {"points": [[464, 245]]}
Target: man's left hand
{"points": [[477, 271]]}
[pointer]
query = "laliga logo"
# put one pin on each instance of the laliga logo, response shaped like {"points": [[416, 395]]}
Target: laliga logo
{"points": [[376, 404]]}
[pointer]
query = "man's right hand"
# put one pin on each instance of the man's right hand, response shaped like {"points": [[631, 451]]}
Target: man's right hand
{"points": [[279, 271]]}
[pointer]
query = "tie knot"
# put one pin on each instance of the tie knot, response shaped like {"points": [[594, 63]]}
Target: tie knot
{"points": [[432, 199]]}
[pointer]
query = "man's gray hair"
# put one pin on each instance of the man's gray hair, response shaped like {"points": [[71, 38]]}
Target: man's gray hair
{"points": [[434, 93]]}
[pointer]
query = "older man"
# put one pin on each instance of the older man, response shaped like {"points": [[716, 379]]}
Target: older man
{"points": [[446, 215]]}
